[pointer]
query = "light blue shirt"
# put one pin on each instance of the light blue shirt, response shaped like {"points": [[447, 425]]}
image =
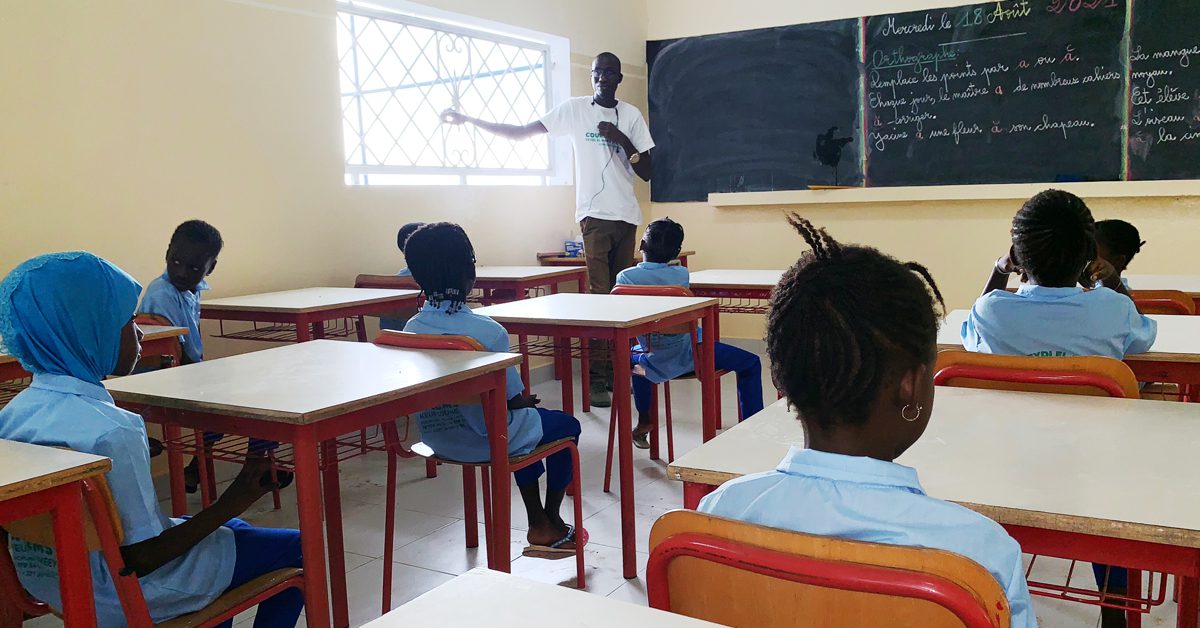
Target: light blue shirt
{"points": [[404, 272], [459, 432], [181, 308], [664, 356], [62, 411], [1041, 321], [863, 499]]}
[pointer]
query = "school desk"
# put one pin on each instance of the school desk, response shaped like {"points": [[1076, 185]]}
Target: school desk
{"points": [[1028, 461], [307, 309], [617, 319], [740, 291], [305, 396], [36, 479], [559, 258], [1174, 358], [158, 340], [499, 600]]}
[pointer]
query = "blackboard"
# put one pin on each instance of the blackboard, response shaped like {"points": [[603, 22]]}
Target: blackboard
{"points": [[1001, 92], [1164, 114], [741, 111]]}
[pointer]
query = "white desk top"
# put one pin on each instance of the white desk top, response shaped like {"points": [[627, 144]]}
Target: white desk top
{"points": [[306, 382], [1178, 337], [518, 273], [307, 299], [482, 598], [1184, 283], [722, 278], [26, 468], [1020, 458], [593, 310], [156, 332]]}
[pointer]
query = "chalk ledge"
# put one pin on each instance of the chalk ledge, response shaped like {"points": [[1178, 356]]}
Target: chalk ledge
{"points": [[1011, 191]]}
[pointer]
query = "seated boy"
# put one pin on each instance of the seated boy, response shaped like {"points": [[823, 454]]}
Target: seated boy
{"points": [[663, 357]]}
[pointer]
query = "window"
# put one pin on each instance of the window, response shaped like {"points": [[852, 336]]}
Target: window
{"points": [[402, 64]]}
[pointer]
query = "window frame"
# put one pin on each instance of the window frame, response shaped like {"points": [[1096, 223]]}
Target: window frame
{"points": [[557, 89]]}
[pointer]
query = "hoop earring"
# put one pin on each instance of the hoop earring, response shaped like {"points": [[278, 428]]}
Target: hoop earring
{"points": [[904, 413]]}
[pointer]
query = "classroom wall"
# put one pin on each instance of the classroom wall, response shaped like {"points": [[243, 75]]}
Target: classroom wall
{"points": [[956, 240], [124, 117]]}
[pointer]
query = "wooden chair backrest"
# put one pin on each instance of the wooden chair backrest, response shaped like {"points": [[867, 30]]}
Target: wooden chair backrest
{"points": [[39, 529], [743, 575], [146, 318], [658, 291], [1093, 376], [388, 282], [444, 342], [1164, 302]]}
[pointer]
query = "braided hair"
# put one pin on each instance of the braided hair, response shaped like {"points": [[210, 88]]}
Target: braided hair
{"points": [[405, 233], [1054, 237], [842, 321], [663, 240], [199, 232], [1119, 237], [442, 262]]}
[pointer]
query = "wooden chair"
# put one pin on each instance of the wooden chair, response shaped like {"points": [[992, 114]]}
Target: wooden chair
{"points": [[105, 534], [464, 343], [1163, 302], [684, 328], [1083, 375], [1093, 376], [743, 575]]}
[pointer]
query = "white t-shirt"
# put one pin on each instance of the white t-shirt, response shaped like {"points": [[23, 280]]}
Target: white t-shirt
{"points": [[603, 174]]}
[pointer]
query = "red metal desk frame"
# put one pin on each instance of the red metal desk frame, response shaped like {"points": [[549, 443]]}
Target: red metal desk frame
{"points": [[65, 505], [309, 325], [310, 440], [622, 400]]}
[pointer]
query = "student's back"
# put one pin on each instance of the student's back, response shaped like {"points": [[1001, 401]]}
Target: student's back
{"points": [[1054, 246], [851, 334]]}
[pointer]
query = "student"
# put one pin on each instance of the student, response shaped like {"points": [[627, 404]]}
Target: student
{"points": [[401, 238], [1054, 245], [68, 318], [663, 357], [1118, 242], [442, 261], [852, 339], [175, 296]]}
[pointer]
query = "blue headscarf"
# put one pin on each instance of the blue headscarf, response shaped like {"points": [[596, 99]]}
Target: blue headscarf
{"points": [[62, 314]]}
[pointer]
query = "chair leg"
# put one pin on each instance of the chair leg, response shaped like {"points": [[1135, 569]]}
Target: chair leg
{"points": [[717, 399], [670, 437], [612, 437], [275, 501], [362, 329], [471, 518], [430, 468], [577, 485]]}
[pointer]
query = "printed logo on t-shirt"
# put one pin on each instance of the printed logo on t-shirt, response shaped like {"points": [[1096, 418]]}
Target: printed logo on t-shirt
{"points": [[596, 138], [1049, 354]]}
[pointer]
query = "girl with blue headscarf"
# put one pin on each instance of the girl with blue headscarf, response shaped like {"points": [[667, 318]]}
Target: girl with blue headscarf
{"points": [[68, 319]]}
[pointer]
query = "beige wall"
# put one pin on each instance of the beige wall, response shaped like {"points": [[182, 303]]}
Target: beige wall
{"points": [[956, 240], [124, 117]]}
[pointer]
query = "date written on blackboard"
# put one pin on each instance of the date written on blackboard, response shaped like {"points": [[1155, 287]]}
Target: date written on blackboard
{"points": [[943, 84]]}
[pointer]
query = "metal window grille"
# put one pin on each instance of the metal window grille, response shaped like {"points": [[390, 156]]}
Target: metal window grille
{"points": [[399, 72]]}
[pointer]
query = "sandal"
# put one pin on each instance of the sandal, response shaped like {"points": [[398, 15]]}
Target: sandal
{"points": [[555, 550]]}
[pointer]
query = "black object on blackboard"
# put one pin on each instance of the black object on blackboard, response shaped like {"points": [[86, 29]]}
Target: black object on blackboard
{"points": [[1164, 113], [1002, 92], [829, 150], [738, 112]]}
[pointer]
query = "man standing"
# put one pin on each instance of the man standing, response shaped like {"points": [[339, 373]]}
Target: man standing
{"points": [[612, 143]]}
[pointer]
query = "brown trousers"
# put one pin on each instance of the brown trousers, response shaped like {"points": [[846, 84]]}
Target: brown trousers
{"points": [[608, 247]]}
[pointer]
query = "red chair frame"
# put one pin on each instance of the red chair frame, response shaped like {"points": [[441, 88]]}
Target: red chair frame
{"points": [[1048, 378], [407, 340], [844, 576]]}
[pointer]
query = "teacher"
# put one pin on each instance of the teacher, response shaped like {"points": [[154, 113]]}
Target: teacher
{"points": [[612, 143]]}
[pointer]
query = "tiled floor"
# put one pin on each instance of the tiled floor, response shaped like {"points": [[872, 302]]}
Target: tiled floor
{"points": [[429, 537]]}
